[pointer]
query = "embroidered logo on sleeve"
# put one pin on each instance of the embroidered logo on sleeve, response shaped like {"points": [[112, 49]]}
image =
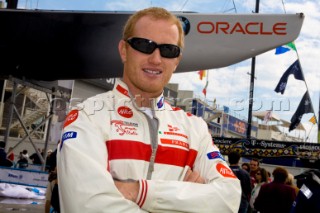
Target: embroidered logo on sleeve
{"points": [[66, 136], [225, 171], [71, 117], [215, 155]]}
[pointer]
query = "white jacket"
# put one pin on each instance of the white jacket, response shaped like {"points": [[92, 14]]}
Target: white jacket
{"points": [[107, 137]]}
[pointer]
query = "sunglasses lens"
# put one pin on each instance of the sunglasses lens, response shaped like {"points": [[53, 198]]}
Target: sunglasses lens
{"points": [[169, 50], [142, 45], [147, 46]]}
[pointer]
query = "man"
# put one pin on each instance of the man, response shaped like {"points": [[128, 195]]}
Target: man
{"points": [[254, 166], [244, 177], [4, 161], [35, 157], [3, 154], [129, 151]]}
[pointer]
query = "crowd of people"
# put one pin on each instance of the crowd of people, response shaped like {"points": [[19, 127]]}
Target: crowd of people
{"points": [[275, 192], [23, 160]]}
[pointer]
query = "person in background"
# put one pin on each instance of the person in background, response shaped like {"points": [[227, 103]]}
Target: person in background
{"points": [[23, 159], [269, 177], [260, 179], [275, 197], [290, 182], [52, 181], [49, 152], [254, 166], [35, 157], [3, 154], [4, 161], [309, 195], [52, 204], [246, 166], [10, 154], [128, 150], [244, 177]]}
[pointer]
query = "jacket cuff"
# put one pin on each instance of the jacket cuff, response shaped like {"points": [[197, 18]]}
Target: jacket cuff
{"points": [[143, 190]]}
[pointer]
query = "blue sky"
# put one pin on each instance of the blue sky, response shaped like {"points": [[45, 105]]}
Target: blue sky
{"points": [[232, 83]]}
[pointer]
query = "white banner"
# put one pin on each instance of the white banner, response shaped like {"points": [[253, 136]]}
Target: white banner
{"points": [[23, 177]]}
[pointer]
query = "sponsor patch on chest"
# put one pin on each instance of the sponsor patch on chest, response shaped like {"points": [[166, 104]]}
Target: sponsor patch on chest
{"points": [[174, 142], [124, 127], [125, 111]]}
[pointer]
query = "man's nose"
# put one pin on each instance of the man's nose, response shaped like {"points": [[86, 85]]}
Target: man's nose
{"points": [[155, 57]]}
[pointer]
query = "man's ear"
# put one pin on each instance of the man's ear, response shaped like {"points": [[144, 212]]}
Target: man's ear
{"points": [[122, 50]]}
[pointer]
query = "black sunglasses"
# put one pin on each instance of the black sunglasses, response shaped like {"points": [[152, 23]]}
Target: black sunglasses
{"points": [[147, 46]]}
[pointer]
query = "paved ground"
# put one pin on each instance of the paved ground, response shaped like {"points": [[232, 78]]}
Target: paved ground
{"points": [[8, 205]]}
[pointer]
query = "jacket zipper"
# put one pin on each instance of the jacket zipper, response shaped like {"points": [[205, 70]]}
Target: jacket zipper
{"points": [[153, 131]]}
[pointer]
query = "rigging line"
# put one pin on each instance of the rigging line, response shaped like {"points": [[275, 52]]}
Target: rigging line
{"points": [[233, 8], [184, 4], [234, 5], [305, 82], [309, 133], [284, 8], [225, 11], [224, 6]]}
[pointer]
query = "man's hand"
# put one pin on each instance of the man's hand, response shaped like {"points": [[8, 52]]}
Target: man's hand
{"points": [[193, 176], [129, 190]]}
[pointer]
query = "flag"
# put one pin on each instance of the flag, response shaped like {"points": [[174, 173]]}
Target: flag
{"points": [[305, 106], [267, 117], [294, 69], [202, 74], [204, 91], [226, 109], [313, 119], [285, 48]]}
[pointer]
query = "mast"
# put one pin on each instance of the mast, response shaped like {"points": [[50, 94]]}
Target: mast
{"points": [[252, 76]]}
